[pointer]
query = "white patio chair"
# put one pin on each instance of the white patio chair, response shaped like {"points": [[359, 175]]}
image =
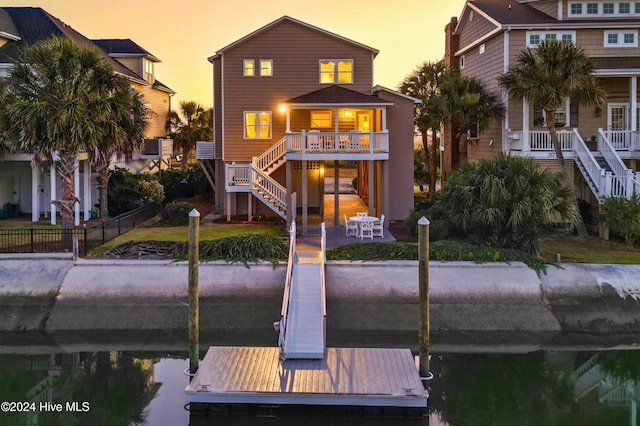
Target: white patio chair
{"points": [[350, 227], [378, 227], [313, 140], [366, 229], [362, 214]]}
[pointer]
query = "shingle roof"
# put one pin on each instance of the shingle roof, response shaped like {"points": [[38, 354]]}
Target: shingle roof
{"points": [[511, 12], [335, 95], [34, 24], [115, 46], [6, 23], [617, 63]]}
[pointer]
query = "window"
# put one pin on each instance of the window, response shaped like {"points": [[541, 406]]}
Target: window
{"points": [[336, 71], [321, 119], [607, 8], [627, 38], [592, 8], [148, 70], [576, 8], [624, 8], [462, 61], [562, 116], [257, 125], [249, 68], [637, 7], [535, 37], [266, 67]]}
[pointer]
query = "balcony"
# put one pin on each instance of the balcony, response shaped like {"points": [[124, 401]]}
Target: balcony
{"points": [[354, 145]]}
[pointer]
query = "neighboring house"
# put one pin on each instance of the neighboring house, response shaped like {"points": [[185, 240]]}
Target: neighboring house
{"points": [[603, 143], [34, 189], [290, 96]]}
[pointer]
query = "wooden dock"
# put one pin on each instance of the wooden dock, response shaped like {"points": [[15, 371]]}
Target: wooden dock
{"points": [[346, 376]]}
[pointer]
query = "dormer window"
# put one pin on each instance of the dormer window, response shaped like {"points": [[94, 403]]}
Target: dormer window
{"points": [[336, 71], [148, 70]]}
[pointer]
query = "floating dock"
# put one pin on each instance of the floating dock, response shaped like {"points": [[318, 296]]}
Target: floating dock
{"points": [[345, 376]]}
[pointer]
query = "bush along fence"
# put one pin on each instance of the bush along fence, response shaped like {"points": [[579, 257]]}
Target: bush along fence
{"points": [[61, 240]]}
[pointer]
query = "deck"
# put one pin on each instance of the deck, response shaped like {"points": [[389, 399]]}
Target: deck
{"points": [[346, 376]]}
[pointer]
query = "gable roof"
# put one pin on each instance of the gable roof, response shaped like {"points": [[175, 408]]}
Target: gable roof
{"points": [[336, 95], [118, 47], [297, 22], [511, 12]]}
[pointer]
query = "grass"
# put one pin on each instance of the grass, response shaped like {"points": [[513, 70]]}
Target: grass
{"points": [[181, 233], [593, 250]]}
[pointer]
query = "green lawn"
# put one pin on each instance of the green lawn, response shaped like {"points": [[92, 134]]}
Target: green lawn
{"points": [[594, 250], [181, 233]]}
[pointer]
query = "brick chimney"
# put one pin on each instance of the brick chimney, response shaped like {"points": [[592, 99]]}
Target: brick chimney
{"points": [[451, 153], [451, 44]]}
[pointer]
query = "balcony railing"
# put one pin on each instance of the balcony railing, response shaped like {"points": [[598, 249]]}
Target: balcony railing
{"points": [[338, 142], [623, 140]]}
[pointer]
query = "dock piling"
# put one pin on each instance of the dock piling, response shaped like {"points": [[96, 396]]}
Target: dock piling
{"points": [[194, 257], [423, 294]]}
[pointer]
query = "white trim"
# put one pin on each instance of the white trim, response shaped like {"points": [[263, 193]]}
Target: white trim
{"points": [[543, 36], [560, 6], [476, 42], [633, 90], [9, 36], [620, 38], [53, 195]]}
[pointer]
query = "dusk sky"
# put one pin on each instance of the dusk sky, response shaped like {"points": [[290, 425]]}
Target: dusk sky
{"points": [[183, 34]]}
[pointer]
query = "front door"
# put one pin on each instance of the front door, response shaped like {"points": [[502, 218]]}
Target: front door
{"points": [[618, 117]]}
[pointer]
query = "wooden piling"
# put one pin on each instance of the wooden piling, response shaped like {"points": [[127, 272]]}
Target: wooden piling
{"points": [[423, 294], [194, 257]]}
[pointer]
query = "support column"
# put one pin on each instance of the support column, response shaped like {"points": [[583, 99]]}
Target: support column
{"points": [[35, 209], [633, 91], [291, 202], [305, 213], [372, 192], [526, 143], [249, 206], [336, 193], [52, 174], [87, 190], [385, 191], [228, 207], [76, 190]]}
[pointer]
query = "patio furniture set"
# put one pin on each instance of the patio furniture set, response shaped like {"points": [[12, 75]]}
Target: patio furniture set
{"points": [[362, 225]]}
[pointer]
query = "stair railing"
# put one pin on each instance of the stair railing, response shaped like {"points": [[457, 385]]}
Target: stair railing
{"points": [[270, 156], [590, 165], [262, 182]]}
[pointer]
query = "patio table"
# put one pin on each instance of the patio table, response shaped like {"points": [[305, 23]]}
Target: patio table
{"points": [[360, 219]]}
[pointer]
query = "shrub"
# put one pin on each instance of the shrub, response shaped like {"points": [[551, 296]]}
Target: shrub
{"points": [[176, 213], [354, 183], [245, 248], [128, 191], [195, 183], [623, 217]]}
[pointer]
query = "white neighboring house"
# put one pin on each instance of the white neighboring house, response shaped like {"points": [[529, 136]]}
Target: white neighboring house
{"points": [[33, 188]]}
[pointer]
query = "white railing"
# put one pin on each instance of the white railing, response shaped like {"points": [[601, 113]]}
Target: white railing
{"points": [[270, 156], [589, 163], [342, 142], [264, 183], [609, 153], [540, 140], [586, 377], [284, 311], [205, 150], [237, 174]]}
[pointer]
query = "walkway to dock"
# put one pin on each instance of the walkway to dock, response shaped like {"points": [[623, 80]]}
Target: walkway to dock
{"points": [[301, 370]]}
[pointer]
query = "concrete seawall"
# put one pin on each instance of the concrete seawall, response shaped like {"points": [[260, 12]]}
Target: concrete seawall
{"points": [[60, 295]]}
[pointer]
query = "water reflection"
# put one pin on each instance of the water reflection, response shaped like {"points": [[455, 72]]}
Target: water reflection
{"points": [[146, 388]]}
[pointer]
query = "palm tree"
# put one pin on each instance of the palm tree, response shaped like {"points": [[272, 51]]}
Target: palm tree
{"points": [[549, 75], [197, 125], [57, 98], [124, 135], [467, 105], [424, 84], [506, 201]]}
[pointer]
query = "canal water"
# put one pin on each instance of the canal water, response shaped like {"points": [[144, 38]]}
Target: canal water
{"points": [[138, 379]]}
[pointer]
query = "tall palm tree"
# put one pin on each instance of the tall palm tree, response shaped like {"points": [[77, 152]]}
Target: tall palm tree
{"points": [[549, 75], [197, 125], [424, 84], [56, 101], [467, 105], [124, 135]]}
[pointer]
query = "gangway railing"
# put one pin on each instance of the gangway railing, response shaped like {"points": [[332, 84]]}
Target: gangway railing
{"points": [[286, 298]]}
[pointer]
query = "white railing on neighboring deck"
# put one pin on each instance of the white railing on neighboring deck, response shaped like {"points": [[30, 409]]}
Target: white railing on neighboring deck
{"points": [[623, 140], [286, 298], [540, 140], [588, 161], [270, 156], [342, 142]]}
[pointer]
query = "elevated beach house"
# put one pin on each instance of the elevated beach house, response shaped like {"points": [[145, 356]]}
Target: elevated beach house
{"points": [[34, 188], [603, 143], [288, 98]]}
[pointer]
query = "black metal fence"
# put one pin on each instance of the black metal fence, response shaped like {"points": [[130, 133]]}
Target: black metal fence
{"points": [[61, 240]]}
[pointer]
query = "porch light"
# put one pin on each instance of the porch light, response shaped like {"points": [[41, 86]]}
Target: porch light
{"points": [[321, 170], [282, 108], [347, 113]]}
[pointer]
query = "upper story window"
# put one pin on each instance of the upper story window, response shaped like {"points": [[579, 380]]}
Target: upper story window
{"points": [[266, 67], [535, 37], [608, 9], [248, 68], [257, 124], [336, 71], [625, 38], [148, 70]]}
